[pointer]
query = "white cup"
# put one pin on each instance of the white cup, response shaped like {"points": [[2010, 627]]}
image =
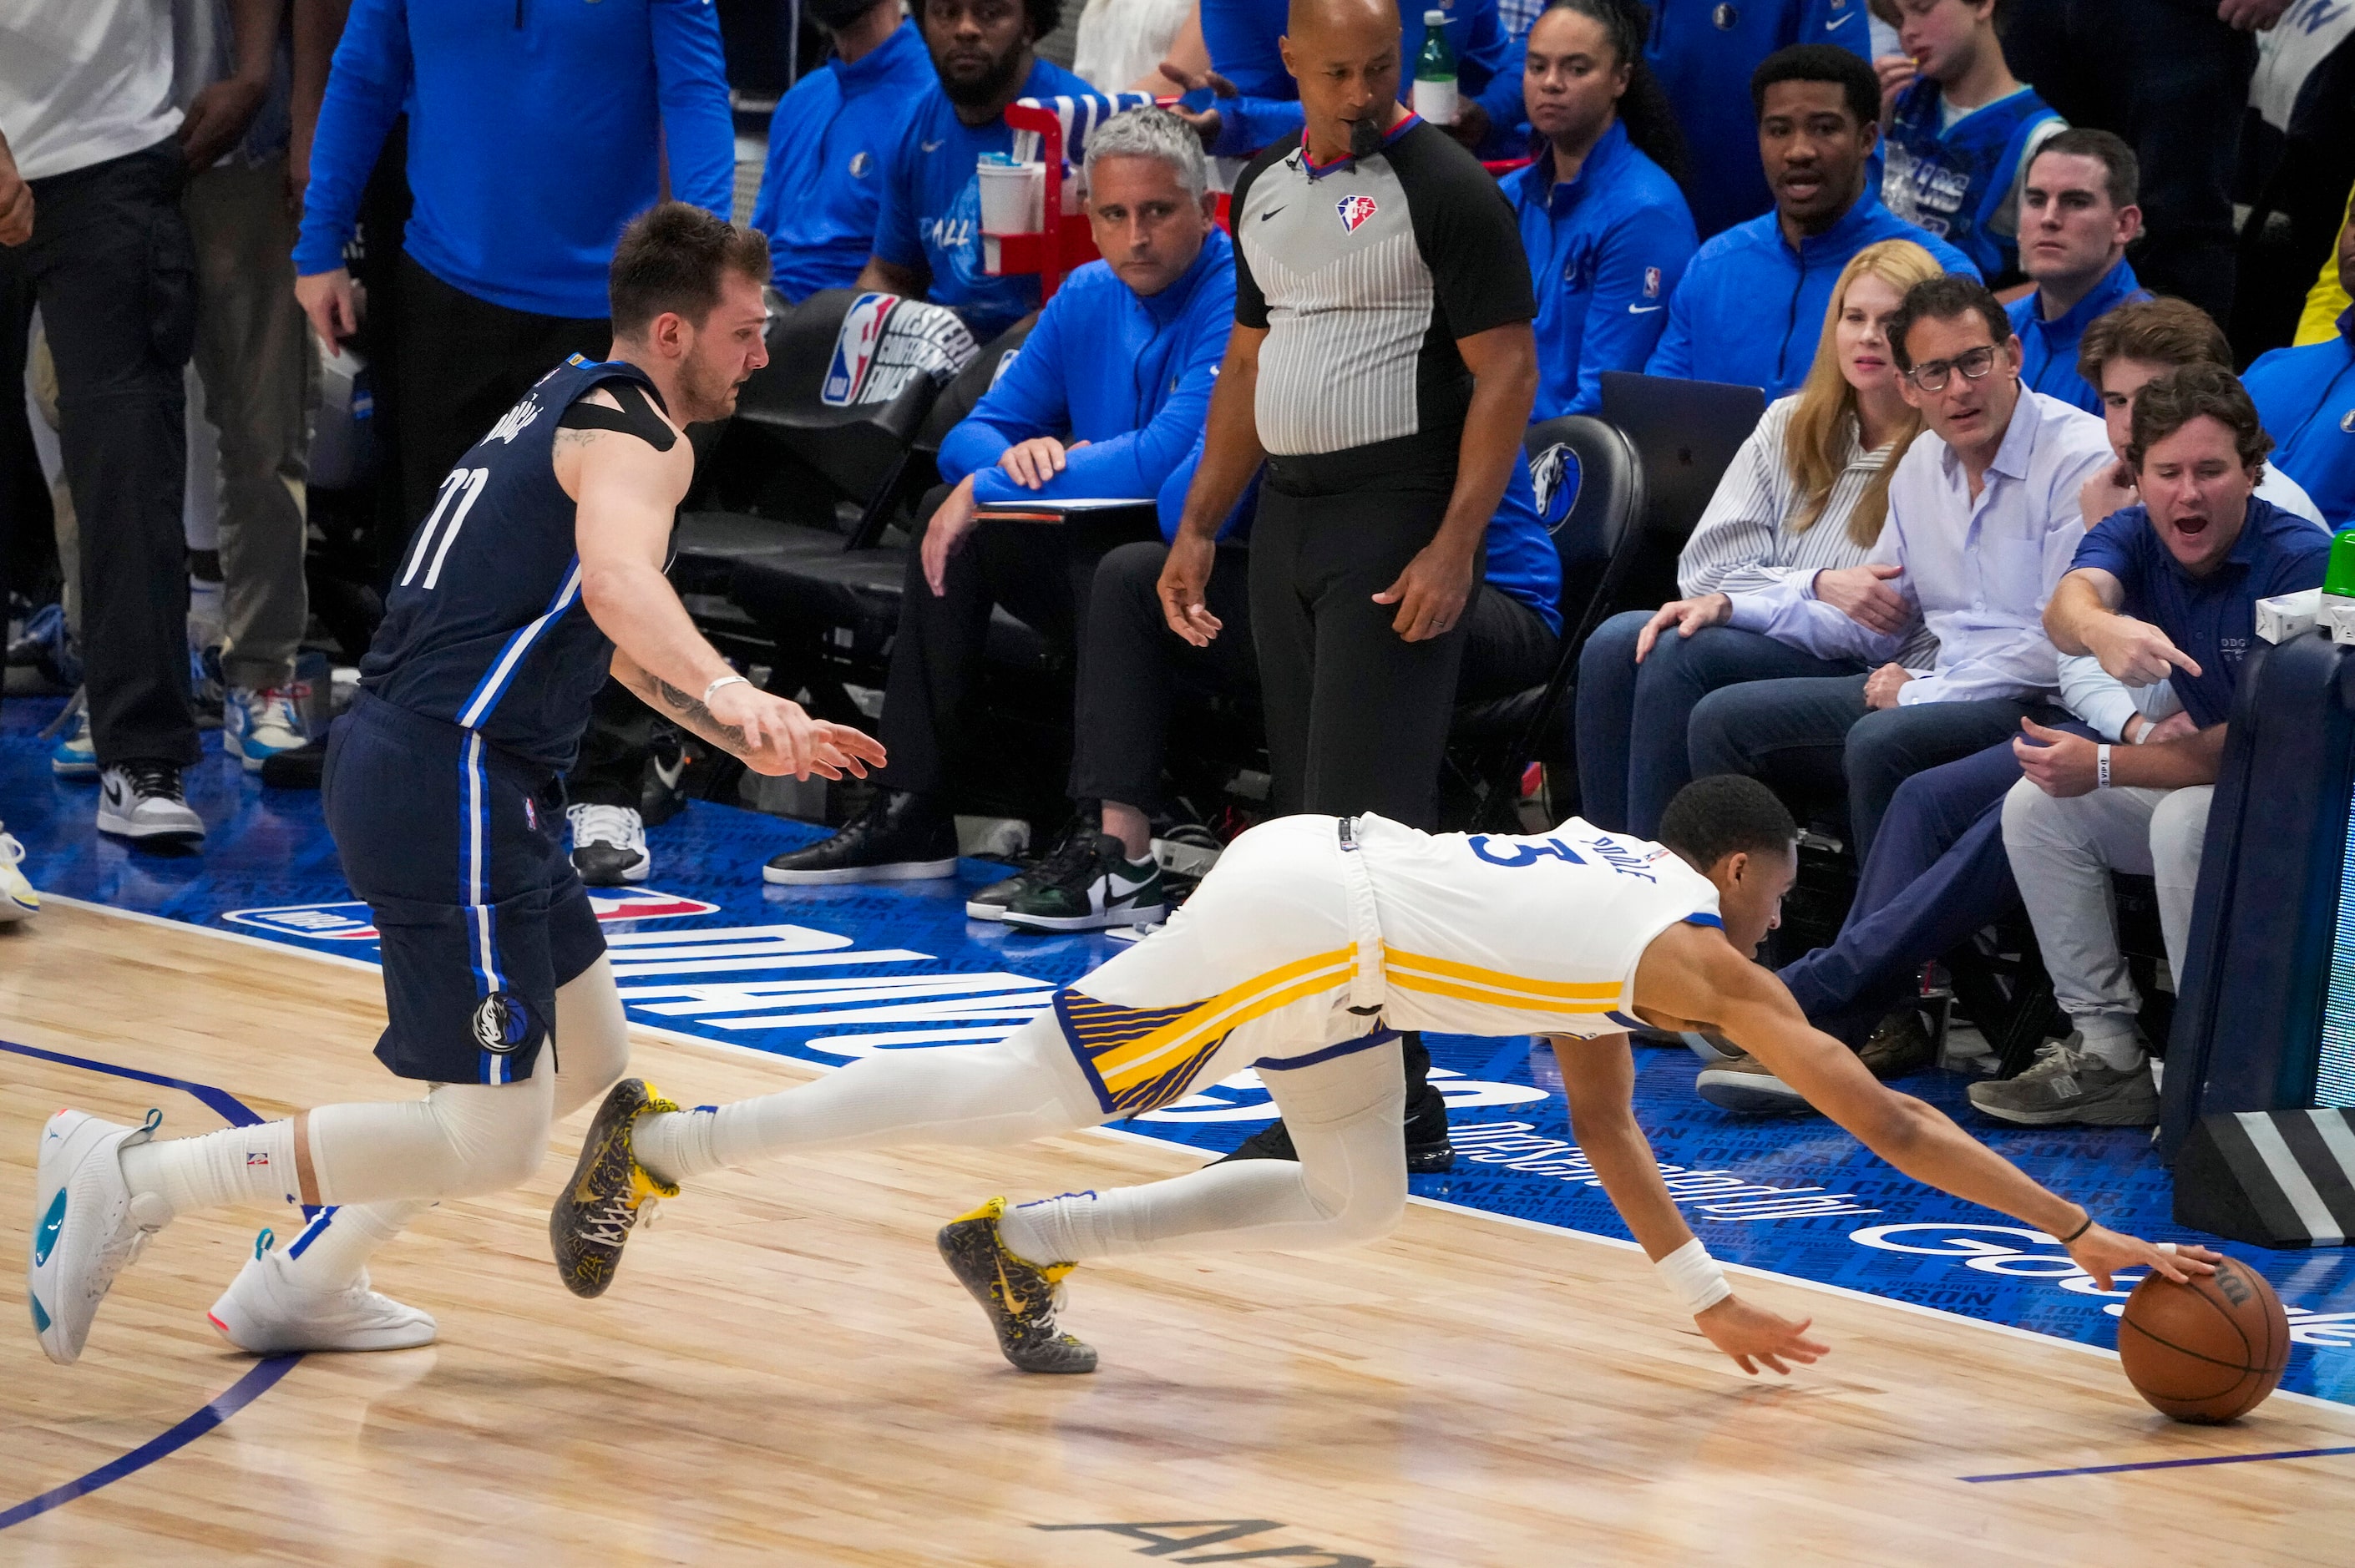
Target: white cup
{"points": [[1013, 197]]}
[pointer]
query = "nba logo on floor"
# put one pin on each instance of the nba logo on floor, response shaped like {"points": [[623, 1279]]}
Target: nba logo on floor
{"points": [[1355, 210]]}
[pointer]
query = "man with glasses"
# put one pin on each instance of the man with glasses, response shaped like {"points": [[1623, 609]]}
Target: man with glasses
{"points": [[1994, 475]]}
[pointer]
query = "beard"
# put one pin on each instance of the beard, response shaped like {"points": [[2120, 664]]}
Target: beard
{"points": [[992, 86]]}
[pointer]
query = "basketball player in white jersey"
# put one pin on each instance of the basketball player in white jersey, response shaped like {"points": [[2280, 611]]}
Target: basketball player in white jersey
{"points": [[1310, 945]]}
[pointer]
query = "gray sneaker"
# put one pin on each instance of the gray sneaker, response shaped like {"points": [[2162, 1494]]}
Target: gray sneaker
{"points": [[2071, 1085]]}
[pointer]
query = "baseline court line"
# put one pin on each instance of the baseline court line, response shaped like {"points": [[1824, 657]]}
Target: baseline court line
{"points": [[2164, 1465]]}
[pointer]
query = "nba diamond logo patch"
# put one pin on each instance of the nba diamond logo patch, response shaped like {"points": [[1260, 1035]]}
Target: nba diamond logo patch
{"points": [[1355, 210]]}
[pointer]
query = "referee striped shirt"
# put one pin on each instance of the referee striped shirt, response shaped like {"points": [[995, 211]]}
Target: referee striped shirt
{"points": [[1745, 541]]}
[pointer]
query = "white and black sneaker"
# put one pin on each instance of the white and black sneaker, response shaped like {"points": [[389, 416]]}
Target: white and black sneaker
{"points": [[143, 801], [900, 837], [609, 845], [1088, 883]]}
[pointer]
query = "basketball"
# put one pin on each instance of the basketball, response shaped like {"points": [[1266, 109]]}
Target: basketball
{"points": [[2209, 1352]]}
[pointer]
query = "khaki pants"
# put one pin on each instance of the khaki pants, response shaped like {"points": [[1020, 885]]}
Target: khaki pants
{"points": [[260, 376]]}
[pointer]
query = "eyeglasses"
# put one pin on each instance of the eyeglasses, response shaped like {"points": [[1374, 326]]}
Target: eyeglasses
{"points": [[1931, 374]]}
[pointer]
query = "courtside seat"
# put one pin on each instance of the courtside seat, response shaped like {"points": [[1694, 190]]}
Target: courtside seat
{"points": [[1590, 488], [708, 546]]}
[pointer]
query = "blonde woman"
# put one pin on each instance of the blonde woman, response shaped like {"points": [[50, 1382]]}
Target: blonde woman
{"points": [[1804, 496]]}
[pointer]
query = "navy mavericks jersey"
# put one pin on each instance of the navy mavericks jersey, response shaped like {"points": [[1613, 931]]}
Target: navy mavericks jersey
{"points": [[485, 627]]}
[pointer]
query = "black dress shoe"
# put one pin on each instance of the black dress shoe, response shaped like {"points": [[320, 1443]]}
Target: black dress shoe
{"points": [[900, 837]]}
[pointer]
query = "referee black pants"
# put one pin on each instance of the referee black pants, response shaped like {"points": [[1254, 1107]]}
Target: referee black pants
{"points": [[1357, 715]]}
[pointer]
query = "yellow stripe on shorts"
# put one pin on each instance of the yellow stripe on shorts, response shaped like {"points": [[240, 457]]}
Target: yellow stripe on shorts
{"points": [[1145, 1057]]}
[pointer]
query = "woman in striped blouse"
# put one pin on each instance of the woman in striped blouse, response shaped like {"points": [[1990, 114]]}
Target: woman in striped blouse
{"points": [[1804, 496]]}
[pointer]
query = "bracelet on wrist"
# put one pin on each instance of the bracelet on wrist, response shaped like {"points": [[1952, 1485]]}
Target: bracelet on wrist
{"points": [[1693, 1277], [2081, 1229], [2101, 767], [728, 680]]}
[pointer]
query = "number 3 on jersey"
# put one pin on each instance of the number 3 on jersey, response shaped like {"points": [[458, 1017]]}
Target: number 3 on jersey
{"points": [[1523, 852], [464, 485]]}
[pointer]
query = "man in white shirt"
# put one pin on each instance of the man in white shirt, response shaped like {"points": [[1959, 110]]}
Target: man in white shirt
{"points": [[1995, 474], [90, 174]]}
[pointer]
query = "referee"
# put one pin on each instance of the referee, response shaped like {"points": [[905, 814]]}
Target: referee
{"points": [[1382, 366]]}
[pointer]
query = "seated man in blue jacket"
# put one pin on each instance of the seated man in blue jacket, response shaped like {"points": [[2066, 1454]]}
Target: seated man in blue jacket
{"points": [[2306, 395], [1751, 307], [1103, 401], [1252, 100], [928, 224], [828, 142], [2077, 216]]}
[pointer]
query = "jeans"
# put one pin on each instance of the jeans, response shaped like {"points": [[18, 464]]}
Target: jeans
{"points": [[1817, 739], [112, 264], [1633, 718], [1937, 872]]}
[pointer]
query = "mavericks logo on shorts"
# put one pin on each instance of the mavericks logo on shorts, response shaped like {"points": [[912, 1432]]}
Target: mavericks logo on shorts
{"points": [[502, 1023]]}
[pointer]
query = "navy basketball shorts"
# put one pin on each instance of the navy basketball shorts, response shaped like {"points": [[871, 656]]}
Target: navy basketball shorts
{"points": [[459, 850]]}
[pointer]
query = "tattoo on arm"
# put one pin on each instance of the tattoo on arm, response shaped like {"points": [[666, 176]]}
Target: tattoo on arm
{"points": [[692, 710]]}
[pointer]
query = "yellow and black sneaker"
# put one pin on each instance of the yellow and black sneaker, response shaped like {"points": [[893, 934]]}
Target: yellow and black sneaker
{"points": [[1020, 1296], [608, 1192]]}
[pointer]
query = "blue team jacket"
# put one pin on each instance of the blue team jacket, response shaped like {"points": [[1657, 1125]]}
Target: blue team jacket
{"points": [[1952, 181], [1241, 35], [1750, 309], [2047, 350], [825, 175], [929, 215], [1703, 52], [2306, 398], [1128, 373], [533, 135], [1605, 253]]}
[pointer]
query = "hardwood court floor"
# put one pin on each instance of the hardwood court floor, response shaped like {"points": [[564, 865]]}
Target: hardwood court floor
{"points": [[784, 1373]]}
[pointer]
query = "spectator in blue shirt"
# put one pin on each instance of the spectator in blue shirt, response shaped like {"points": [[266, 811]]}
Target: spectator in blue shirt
{"points": [[1750, 306], [828, 142], [534, 135], [2308, 398], [928, 228], [1703, 54], [1606, 228], [1248, 100], [1960, 129], [2077, 216], [2166, 590], [1103, 401]]}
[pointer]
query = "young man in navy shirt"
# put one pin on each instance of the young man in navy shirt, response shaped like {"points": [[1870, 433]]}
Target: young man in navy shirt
{"points": [[2077, 216], [928, 227], [2165, 590], [827, 142], [2308, 392], [1751, 307]]}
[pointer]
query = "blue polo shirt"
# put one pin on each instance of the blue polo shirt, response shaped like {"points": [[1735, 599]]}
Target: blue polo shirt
{"points": [[1605, 253], [2047, 350], [930, 215], [1751, 308], [2214, 618], [1128, 373], [824, 179], [2306, 398]]}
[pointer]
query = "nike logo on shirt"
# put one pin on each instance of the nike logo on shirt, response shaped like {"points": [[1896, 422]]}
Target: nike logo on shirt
{"points": [[1834, 27], [1644, 309], [933, 146], [1271, 212]]}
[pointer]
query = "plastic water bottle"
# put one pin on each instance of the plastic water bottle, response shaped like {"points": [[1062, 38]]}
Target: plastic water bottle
{"points": [[1434, 72]]}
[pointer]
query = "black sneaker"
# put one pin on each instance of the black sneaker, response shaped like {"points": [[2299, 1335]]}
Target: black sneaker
{"points": [[663, 793], [900, 837], [301, 768], [989, 903], [609, 845], [1428, 1150], [1089, 882], [1020, 1296]]}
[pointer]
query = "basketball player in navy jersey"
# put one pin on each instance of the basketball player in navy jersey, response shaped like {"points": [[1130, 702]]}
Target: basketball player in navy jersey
{"points": [[539, 569]]}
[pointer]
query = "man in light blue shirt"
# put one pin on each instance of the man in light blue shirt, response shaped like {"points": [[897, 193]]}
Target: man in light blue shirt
{"points": [[2077, 216], [1751, 307], [828, 142], [1994, 477]]}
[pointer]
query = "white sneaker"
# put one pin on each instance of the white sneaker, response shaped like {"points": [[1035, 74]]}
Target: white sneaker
{"points": [[609, 845], [257, 724], [143, 801], [76, 757], [266, 1314], [86, 1224], [17, 898]]}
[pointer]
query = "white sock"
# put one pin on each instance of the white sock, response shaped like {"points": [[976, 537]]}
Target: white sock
{"points": [[334, 1249], [236, 1165], [2123, 1052]]}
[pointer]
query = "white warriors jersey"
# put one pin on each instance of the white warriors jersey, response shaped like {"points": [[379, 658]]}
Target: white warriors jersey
{"points": [[1317, 935]]}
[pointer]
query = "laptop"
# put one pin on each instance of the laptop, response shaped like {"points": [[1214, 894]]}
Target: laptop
{"points": [[1686, 435]]}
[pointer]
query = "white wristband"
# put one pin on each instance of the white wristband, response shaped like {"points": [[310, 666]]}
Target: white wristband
{"points": [[1693, 1277], [741, 680], [2101, 767]]}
